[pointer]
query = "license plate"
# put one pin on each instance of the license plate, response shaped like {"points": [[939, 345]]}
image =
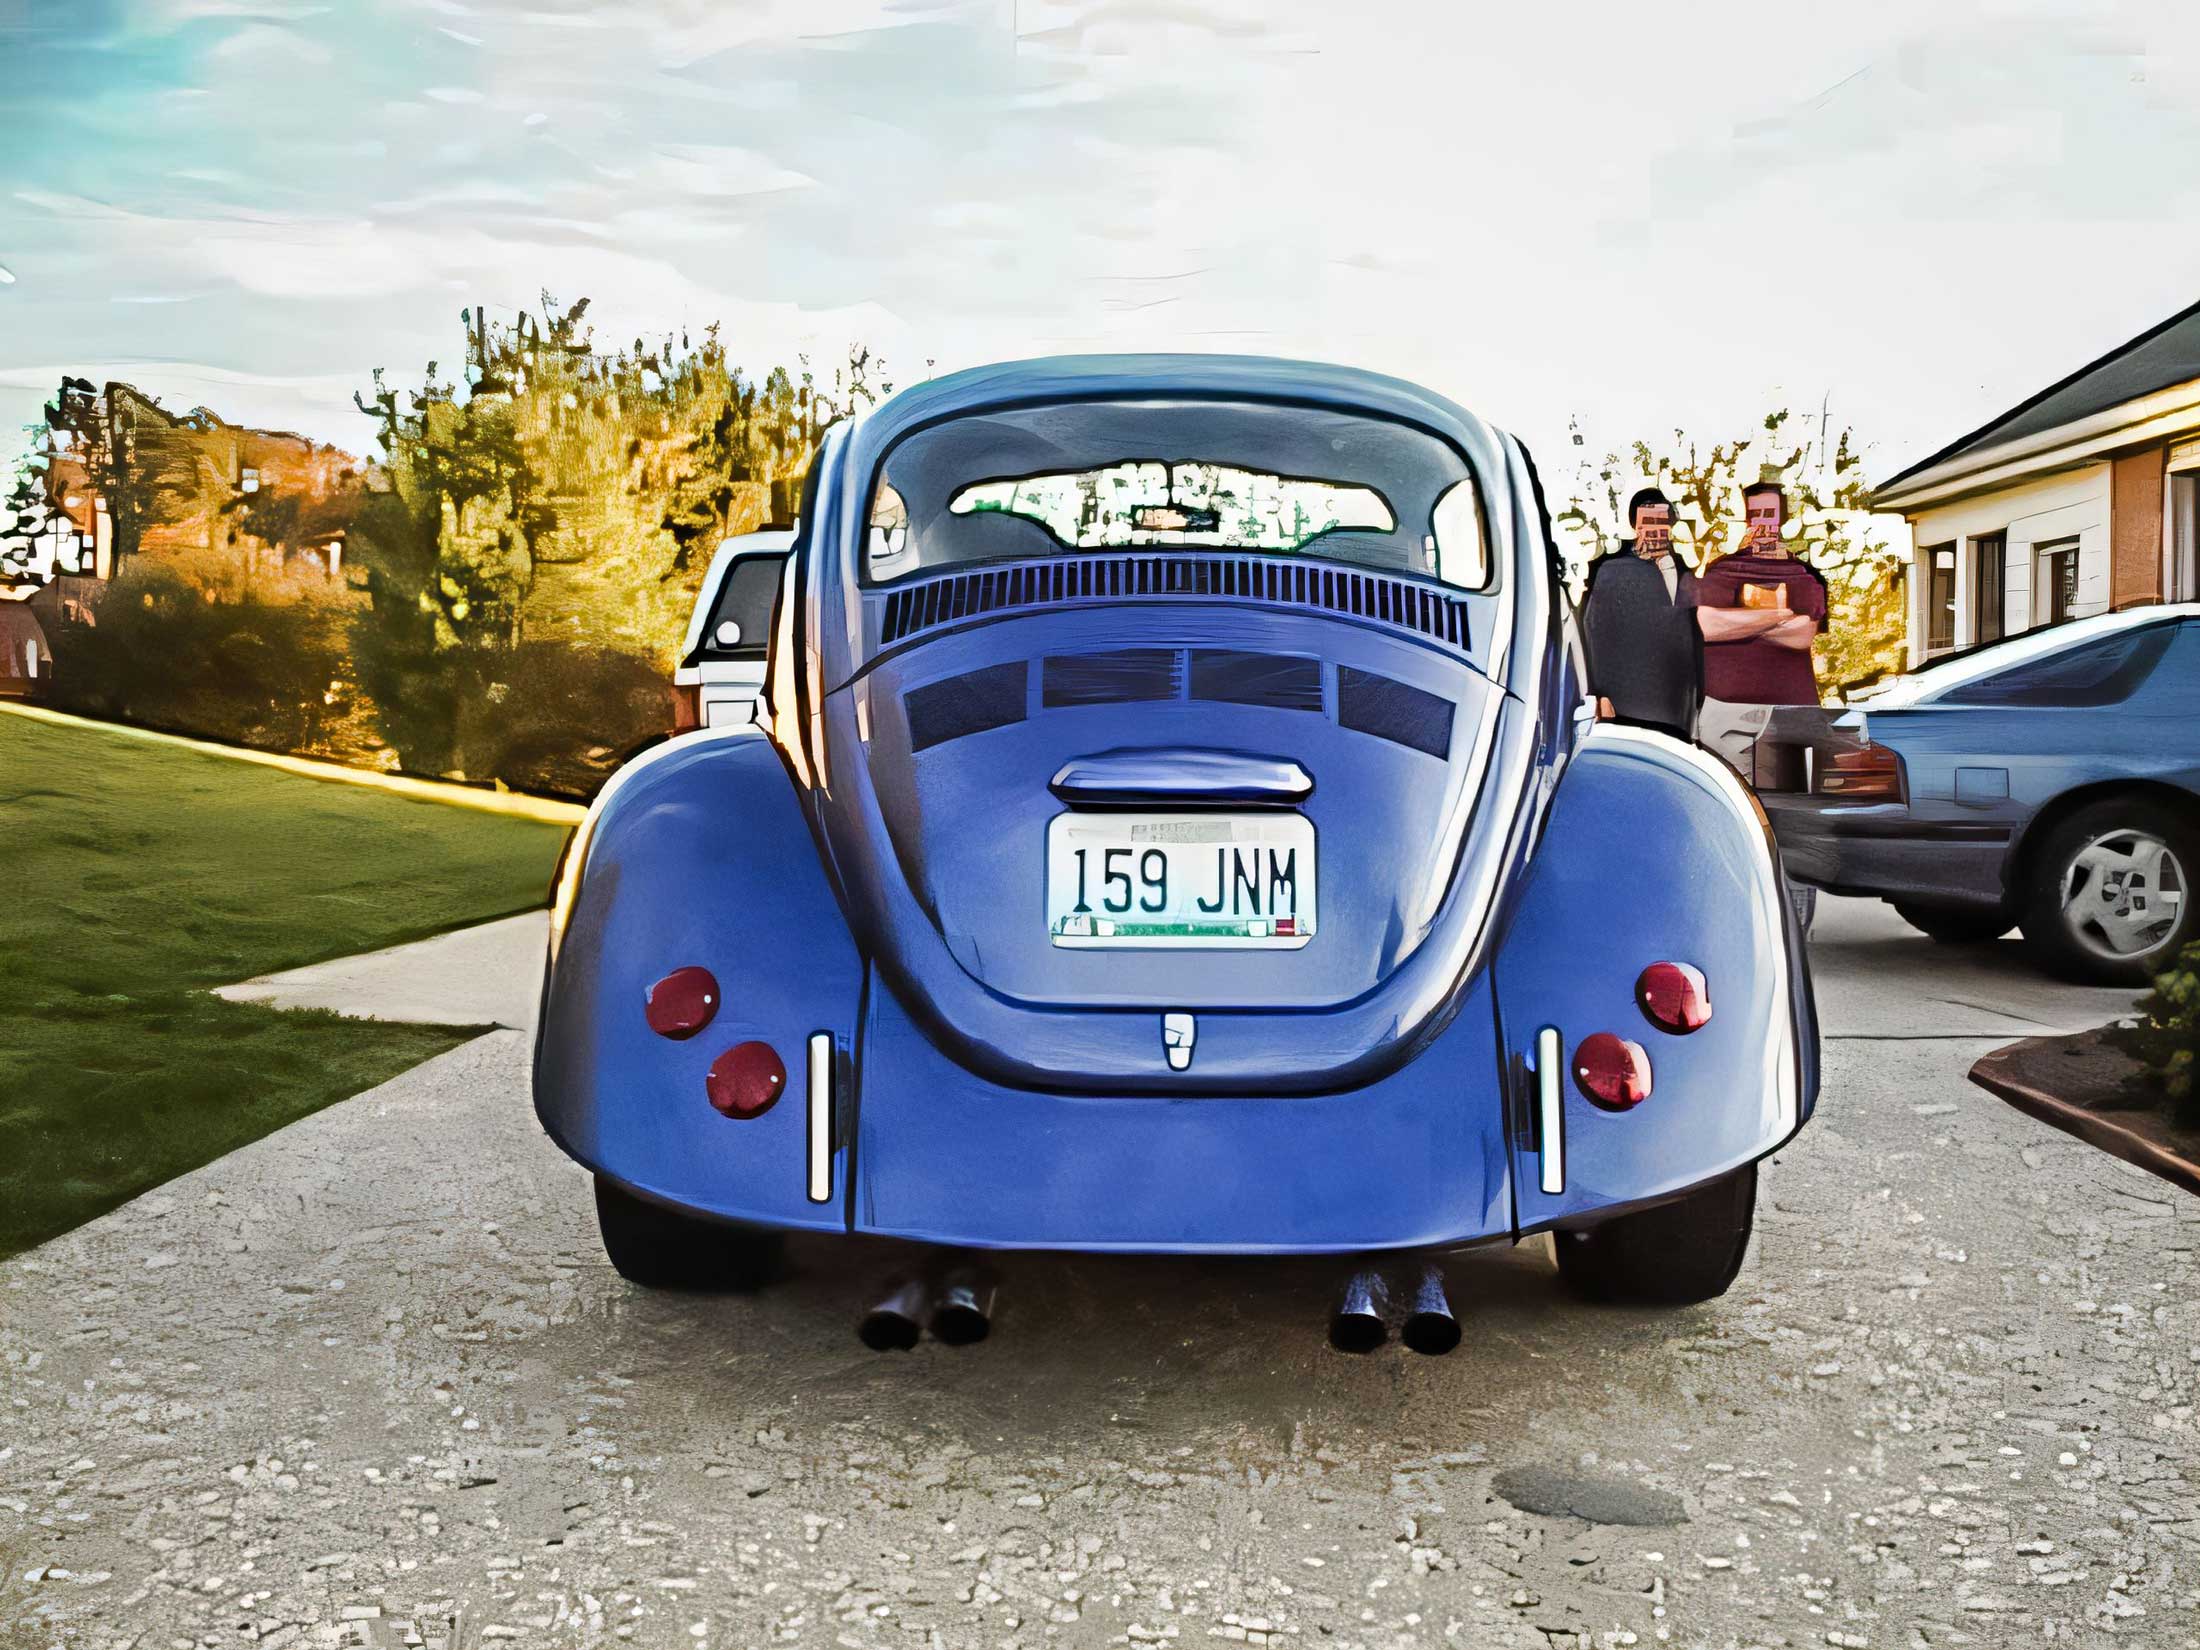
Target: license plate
{"points": [[1241, 881]]}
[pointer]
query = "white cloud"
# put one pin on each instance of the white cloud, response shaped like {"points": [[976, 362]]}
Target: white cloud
{"points": [[1652, 217], [268, 47]]}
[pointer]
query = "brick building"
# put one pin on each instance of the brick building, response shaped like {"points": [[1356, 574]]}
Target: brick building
{"points": [[2082, 499], [234, 511]]}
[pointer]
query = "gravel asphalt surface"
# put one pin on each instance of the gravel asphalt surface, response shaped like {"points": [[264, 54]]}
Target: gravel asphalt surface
{"points": [[371, 1382]]}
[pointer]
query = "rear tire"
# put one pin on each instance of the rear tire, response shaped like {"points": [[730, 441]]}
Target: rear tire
{"points": [[1956, 924], [1675, 1254], [2108, 892], [659, 1248]]}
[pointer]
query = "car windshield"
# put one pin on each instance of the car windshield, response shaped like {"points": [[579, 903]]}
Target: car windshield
{"points": [[1068, 478]]}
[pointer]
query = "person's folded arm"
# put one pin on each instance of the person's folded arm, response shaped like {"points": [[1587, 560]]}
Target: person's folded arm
{"points": [[1797, 631], [1739, 624]]}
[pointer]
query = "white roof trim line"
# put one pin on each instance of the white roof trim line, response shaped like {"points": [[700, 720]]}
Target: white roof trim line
{"points": [[2165, 413]]}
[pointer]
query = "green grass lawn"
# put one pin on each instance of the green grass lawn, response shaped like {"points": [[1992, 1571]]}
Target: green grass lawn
{"points": [[139, 875]]}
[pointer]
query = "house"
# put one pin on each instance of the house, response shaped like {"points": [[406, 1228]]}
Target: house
{"points": [[234, 512], [25, 659], [2082, 499]]}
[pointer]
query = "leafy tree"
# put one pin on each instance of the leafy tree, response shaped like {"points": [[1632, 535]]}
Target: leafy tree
{"points": [[81, 420], [27, 517], [1821, 469], [563, 494]]}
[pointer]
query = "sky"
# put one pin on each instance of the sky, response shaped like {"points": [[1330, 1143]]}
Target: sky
{"points": [[1646, 217]]}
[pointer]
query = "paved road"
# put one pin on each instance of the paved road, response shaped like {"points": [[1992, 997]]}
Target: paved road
{"points": [[374, 1371]]}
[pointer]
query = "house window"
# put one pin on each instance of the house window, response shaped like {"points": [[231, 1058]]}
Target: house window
{"points": [[1940, 598], [2055, 581], [1989, 575], [248, 480], [2181, 549]]}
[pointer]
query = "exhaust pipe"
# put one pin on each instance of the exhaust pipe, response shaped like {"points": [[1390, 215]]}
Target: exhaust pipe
{"points": [[1357, 1324], [1430, 1328], [895, 1323], [963, 1313]]}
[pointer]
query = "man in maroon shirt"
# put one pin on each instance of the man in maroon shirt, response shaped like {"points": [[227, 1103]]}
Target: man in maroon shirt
{"points": [[1759, 609]]}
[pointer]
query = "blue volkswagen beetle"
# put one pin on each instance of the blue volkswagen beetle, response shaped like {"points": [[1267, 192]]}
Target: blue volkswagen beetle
{"points": [[1172, 823]]}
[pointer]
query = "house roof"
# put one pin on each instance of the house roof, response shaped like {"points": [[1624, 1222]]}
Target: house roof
{"points": [[2165, 354]]}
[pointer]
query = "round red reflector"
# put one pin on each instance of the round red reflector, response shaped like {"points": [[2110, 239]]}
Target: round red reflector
{"points": [[1674, 996], [1612, 1072], [682, 1003], [746, 1080]]}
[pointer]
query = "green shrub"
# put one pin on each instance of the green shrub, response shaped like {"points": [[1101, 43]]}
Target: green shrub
{"points": [[558, 717], [2166, 1037], [272, 675]]}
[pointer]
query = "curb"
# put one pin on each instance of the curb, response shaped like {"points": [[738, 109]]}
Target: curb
{"points": [[515, 804], [1991, 1074]]}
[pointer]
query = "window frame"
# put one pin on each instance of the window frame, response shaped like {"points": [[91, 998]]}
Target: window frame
{"points": [[1938, 640], [1493, 574], [2181, 536], [1987, 584], [2045, 556]]}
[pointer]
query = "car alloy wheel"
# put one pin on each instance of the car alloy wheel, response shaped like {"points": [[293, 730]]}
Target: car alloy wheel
{"points": [[2122, 894]]}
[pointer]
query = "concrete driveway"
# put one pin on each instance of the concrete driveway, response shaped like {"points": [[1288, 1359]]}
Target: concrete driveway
{"points": [[370, 1381]]}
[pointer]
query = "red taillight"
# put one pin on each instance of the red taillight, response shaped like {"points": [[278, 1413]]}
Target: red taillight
{"points": [[1612, 1072], [1674, 996], [746, 1080], [1875, 771], [682, 1003], [687, 707]]}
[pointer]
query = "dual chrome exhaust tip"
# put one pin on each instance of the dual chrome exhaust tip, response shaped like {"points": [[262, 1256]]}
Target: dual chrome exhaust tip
{"points": [[1361, 1321], [958, 1311]]}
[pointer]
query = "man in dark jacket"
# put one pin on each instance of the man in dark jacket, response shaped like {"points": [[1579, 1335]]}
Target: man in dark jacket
{"points": [[1639, 623]]}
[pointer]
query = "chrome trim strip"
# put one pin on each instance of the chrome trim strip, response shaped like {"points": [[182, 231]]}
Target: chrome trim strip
{"points": [[1183, 774], [821, 1117], [1550, 1109]]}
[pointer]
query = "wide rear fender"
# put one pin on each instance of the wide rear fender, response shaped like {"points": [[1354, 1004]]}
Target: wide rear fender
{"points": [[1652, 851], [698, 855]]}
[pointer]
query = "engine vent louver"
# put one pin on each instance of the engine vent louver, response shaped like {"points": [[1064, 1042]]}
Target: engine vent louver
{"points": [[1393, 710], [949, 598], [1279, 681], [972, 703], [1119, 678]]}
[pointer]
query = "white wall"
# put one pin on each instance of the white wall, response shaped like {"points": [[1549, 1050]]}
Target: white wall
{"points": [[2072, 504]]}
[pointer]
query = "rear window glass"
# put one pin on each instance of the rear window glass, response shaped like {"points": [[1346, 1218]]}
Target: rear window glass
{"points": [[1072, 478], [740, 622], [2095, 673], [1200, 504]]}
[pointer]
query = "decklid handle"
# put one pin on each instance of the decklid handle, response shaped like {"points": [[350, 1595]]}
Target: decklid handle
{"points": [[1183, 777]]}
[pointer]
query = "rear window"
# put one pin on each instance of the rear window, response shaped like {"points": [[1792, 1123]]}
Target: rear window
{"points": [[740, 622], [1072, 478], [2092, 673]]}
